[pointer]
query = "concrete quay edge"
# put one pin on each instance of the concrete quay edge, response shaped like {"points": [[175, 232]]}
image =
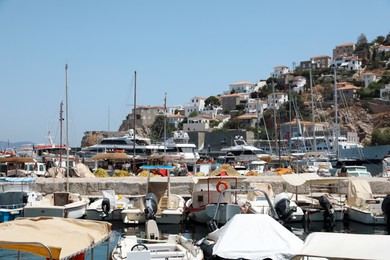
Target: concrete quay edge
{"points": [[132, 186]]}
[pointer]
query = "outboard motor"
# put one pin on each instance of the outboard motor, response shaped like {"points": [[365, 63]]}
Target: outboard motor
{"points": [[105, 207], [386, 210], [329, 220], [150, 206], [283, 208]]}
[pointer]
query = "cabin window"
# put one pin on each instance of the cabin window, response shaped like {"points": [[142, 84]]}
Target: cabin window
{"points": [[200, 198]]}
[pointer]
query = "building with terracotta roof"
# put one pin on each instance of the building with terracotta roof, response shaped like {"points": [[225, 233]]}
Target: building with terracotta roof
{"points": [[347, 63], [278, 71], [347, 93], [196, 105], [346, 49]]}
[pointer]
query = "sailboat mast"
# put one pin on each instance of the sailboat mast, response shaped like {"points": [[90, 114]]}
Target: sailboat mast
{"points": [[336, 125], [312, 111], [67, 127], [135, 107], [61, 119]]}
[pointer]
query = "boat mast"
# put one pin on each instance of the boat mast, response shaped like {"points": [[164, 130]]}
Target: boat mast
{"points": [[312, 110], [67, 127], [336, 126], [135, 107], [61, 119]]}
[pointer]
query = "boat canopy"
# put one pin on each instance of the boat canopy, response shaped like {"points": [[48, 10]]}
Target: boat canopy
{"points": [[345, 246], [17, 160], [312, 178], [254, 236], [111, 156], [64, 237]]}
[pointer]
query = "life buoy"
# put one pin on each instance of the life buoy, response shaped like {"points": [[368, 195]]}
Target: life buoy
{"points": [[219, 186]]}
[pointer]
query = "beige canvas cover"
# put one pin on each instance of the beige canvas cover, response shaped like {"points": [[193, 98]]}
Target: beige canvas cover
{"points": [[225, 168], [65, 237], [311, 178], [358, 192]]}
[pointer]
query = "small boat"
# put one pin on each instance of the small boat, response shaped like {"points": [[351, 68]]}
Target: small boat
{"points": [[361, 205], [256, 203], [251, 236], [204, 200], [58, 204], [15, 193], [107, 208], [54, 238], [155, 246], [158, 203], [318, 205], [328, 245]]}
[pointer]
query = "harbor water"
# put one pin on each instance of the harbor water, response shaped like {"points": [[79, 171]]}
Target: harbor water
{"points": [[197, 231]]}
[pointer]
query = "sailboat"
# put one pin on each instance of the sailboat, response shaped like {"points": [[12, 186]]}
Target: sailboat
{"points": [[60, 204]]}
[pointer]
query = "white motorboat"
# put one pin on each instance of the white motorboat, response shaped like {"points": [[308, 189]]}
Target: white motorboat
{"points": [[361, 205], [58, 204], [158, 203], [256, 202], [155, 246], [109, 207], [317, 205], [328, 245], [251, 236], [179, 145]]}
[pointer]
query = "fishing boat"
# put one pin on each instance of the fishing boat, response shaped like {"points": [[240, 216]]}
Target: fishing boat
{"points": [[60, 204], [155, 246], [202, 205], [53, 238]]}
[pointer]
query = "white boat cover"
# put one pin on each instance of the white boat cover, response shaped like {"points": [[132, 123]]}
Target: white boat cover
{"points": [[345, 246], [255, 236], [65, 237]]}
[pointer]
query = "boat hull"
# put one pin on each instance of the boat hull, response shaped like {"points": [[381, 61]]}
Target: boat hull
{"points": [[225, 212], [365, 217]]}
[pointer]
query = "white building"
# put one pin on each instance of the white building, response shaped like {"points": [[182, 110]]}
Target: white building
{"points": [[278, 71], [244, 88], [347, 63], [368, 78], [298, 83], [384, 49], [175, 119], [385, 93], [275, 100], [196, 105], [197, 123], [255, 106]]}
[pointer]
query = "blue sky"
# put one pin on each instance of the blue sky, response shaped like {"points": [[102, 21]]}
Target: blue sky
{"points": [[182, 48]]}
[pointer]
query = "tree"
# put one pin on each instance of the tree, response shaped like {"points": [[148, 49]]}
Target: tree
{"points": [[157, 128], [212, 102], [362, 42]]}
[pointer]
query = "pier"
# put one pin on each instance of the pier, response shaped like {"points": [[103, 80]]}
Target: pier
{"points": [[133, 186]]}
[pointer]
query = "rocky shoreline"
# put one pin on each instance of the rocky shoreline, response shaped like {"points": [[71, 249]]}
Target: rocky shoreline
{"points": [[133, 186]]}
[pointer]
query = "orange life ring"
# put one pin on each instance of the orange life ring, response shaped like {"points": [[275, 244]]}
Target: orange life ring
{"points": [[221, 183]]}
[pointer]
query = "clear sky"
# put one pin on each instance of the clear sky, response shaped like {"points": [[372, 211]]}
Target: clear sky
{"points": [[182, 48]]}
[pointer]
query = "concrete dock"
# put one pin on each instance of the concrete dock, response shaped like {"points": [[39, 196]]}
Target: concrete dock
{"points": [[131, 186]]}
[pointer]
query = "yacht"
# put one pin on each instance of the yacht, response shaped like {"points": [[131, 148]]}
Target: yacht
{"points": [[241, 151], [143, 146], [179, 145]]}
